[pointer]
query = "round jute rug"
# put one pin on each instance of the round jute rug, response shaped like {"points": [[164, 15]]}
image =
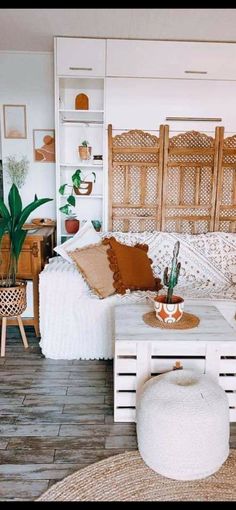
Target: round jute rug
{"points": [[126, 477]]}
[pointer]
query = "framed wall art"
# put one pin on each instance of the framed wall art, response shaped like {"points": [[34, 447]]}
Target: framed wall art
{"points": [[14, 120], [44, 145]]}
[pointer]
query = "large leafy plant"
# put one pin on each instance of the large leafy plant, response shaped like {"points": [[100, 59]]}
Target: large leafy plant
{"points": [[11, 222]]}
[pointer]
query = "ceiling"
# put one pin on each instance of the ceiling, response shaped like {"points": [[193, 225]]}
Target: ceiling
{"points": [[33, 29]]}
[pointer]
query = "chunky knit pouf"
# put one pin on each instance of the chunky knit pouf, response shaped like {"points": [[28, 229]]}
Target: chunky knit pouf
{"points": [[183, 425]]}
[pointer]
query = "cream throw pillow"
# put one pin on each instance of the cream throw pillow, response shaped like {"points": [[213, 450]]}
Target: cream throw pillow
{"points": [[84, 237], [93, 263]]}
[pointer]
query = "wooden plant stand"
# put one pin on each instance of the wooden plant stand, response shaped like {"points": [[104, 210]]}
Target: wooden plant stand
{"points": [[3, 335], [36, 250]]}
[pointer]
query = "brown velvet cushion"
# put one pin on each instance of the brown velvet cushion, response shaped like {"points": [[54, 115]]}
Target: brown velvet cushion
{"points": [[93, 263], [131, 267]]}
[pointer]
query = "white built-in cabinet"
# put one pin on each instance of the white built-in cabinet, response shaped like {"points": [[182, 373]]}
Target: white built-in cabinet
{"points": [[79, 68], [80, 57], [171, 59], [133, 84]]}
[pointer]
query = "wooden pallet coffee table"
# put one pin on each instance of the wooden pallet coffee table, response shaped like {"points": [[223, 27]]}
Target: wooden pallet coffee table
{"points": [[142, 351]]}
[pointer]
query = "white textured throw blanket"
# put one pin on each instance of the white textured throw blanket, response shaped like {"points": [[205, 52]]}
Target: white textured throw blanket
{"points": [[76, 324], [205, 259]]}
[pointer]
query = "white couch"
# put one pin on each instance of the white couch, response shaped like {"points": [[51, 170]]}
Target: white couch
{"points": [[76, 324]]}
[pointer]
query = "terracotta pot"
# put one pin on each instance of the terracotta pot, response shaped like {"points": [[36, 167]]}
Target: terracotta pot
{"points": [[13, 300], [85, 152], [72, 225], [169, 312], [84, 189]]}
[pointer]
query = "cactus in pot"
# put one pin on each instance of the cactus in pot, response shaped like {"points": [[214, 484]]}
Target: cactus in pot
{"points": [[171, 280], [169, 308]]}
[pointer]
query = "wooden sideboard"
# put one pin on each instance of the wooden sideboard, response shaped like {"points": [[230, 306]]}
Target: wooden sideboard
{"points": [[36, 250]]}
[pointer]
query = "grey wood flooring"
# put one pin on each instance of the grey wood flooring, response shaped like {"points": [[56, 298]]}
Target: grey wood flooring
{"points": [[55, 417]]}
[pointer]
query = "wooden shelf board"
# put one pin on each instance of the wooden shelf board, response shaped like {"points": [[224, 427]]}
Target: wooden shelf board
{"points": [[72, 110], [82, 165]]}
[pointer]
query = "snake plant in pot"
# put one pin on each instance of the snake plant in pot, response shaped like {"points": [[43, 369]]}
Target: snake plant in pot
{"points": [[169, 308], [12, 220]]}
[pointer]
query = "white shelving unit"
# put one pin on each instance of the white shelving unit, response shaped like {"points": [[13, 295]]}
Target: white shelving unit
{"points": [[72, 127]]}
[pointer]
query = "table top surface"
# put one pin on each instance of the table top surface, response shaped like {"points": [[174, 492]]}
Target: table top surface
{"points": [[33, 231], [213, 327]]}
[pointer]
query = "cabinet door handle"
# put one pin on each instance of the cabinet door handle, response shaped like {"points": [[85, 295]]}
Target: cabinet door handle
{"points": [[80, 68]]}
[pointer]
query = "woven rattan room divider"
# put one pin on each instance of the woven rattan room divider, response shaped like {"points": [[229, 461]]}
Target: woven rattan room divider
{"points": [[135, 180], [225, 217], [190, 168], [186, 183]]}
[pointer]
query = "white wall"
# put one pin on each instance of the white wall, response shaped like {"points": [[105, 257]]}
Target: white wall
{"points": [[27, 78]]}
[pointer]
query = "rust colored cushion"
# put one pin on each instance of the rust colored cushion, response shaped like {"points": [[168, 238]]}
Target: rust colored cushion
{"points": [[131, 267]]}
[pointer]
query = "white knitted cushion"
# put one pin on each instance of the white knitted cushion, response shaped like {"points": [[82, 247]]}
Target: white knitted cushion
{"points": [[85, 236], [183, 425]]}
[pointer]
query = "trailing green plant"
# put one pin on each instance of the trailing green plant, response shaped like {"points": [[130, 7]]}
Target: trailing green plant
{"points": [[11, 222], [79, 177], [17, 170], [170, 281], [67, 209], [76, 178]]}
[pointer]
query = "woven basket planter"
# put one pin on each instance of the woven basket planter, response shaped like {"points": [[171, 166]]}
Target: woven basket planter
{"points": [[13, 300]]}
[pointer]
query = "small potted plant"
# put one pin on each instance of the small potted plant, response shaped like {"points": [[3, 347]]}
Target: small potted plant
{"points": [[97, 225], [170, 308], [85, 150], [72, 224], [81, 185]]}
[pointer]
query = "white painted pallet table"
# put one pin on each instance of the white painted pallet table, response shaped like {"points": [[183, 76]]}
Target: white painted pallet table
{"points": [[142, 351]]}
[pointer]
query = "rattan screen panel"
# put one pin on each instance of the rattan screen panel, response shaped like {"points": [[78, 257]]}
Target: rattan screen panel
{"points": [[189, 182], [225, 220], [135, 180], [185, 226]]}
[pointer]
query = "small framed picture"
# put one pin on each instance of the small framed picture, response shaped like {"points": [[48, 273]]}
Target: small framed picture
{"points": [[44, 145], [14, 119]]}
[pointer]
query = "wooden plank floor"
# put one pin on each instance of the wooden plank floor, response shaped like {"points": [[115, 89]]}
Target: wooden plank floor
{"points": [[55, 417]]}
